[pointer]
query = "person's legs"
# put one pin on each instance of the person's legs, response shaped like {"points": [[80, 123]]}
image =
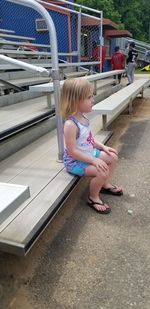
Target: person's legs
{"points": [[129, 72], [111, 161], [99, 177], [119, 78], [132, 72], [96, 183]]}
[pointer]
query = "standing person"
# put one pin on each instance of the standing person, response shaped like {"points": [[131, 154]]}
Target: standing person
{"points": [[83, 155], [131, 62], [118, 60]]}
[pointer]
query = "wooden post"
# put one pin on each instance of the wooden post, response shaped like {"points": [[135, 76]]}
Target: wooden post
{"points": [[142, 93], [95, 87], [104, 122], [130, 107], [49, 100]]}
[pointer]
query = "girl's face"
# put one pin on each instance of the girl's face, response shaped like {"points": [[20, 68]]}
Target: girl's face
{"points": [[86, 105]]}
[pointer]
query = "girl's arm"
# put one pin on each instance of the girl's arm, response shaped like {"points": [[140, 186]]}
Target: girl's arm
{"points": [[98, 145], [104, 148]]}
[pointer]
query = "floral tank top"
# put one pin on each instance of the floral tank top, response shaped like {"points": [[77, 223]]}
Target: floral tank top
{"points": [[84, 141]]}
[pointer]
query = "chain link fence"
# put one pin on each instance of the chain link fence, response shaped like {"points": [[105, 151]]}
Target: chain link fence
{"points": [[78, 28], [142, 48]]}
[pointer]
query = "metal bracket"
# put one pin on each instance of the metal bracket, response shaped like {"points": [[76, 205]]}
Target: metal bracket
{"points": [[55, 74], [130, 106], [142, 93]]}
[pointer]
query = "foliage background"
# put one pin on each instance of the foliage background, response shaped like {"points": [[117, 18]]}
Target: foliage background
{"points": [[132, 15]]}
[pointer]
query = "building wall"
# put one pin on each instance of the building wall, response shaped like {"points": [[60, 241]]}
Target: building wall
{"points": [[21, 19]]}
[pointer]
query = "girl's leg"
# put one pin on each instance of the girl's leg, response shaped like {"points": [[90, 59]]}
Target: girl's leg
{"points": [[96, 183], [111, 160]]}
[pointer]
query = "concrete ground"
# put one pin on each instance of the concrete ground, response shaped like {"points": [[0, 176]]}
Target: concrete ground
{"points": [[85, 260]]}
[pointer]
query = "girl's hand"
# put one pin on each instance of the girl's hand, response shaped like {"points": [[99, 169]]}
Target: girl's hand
{"points": [[100, 164], [108, 150]]}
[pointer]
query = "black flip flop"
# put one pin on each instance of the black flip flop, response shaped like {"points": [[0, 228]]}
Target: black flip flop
{"points": [[91, 203], [111, 192]]}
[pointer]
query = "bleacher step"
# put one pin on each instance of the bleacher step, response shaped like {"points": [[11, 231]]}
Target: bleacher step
{"points": [[12, 196], [75, 74], [17, 114]]}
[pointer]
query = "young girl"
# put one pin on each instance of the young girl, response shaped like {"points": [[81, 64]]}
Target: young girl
{"points": [[83, 155]]}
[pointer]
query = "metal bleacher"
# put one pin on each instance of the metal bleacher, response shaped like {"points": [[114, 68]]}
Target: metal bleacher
{"points": [[29, 158], [141, 47]]}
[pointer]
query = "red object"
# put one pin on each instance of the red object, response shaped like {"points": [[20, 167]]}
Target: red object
{"points": [[30, 47], [33, 48], [117, 61], [96, 55]]}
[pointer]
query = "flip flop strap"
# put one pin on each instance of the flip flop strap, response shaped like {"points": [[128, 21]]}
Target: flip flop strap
{"points": [[95, 203]]}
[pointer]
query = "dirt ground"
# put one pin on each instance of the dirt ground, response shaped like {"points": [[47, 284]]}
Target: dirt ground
{"points": [[86, 261]]}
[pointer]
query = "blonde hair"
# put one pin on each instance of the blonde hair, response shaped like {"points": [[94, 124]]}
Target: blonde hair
{"points": [[73, 92]]}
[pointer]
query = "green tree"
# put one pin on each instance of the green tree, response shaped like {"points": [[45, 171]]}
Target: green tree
{"points": [[107, 6], [133, 15]]}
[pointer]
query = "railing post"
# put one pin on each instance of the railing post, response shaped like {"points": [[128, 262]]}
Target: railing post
{"points": [[101, 39], [55, 68], [79, 36]]}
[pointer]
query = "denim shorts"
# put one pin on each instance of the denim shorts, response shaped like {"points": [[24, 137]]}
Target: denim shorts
{"points": [[78, 167]]}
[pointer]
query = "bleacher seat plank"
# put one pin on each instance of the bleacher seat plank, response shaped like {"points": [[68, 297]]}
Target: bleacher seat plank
{"points": [[24, 158], [17, 43], [28, 81], [112, 103], [23, 52], [13, 115], [120, 100], [26, 52], [19, 37], [11, 196], [49, 87], [11, 67], [6, 30], [75, 74]]}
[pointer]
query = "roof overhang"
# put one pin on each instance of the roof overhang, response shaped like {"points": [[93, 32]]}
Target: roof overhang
{"points": [[118, 33], [91, 21]]}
